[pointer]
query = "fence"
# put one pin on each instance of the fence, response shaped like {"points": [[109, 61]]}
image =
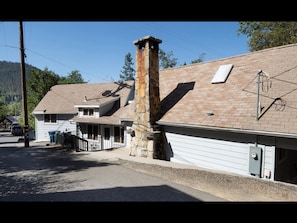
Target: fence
{"points": [[72, 142]]}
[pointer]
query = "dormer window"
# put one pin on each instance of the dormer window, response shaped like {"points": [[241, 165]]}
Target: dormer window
{"points": [[88, 111]]}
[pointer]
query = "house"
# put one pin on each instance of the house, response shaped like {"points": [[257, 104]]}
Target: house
{"points": [[84, 110], [98, 118], [235, 114], [7, 121]]}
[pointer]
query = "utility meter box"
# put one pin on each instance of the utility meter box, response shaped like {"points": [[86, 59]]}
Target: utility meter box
{"points": [[255, 160]]}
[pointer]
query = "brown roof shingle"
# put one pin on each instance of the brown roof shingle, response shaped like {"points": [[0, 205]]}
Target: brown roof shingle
{"points": [[234, 102], [187, 94], [61, 99]]}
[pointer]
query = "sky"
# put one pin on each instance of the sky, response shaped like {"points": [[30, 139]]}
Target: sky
{"points": [[97, 49]]}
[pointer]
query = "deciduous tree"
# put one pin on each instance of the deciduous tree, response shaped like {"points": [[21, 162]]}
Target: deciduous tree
{"points": [[262, 35], [38, 85], [74, 77], [3, 109], [166, 60]]}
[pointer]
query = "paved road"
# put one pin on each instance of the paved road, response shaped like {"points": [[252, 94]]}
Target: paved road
{"points": [[49, 173]]}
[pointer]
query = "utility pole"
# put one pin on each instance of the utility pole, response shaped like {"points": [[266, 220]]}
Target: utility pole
{"points": [[24, 90]]}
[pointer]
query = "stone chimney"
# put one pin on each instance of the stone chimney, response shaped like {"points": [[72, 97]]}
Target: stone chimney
{"points": [[146, 137]]}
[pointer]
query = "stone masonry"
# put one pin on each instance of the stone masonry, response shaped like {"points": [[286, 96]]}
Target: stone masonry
{"points": [[146, 136]]}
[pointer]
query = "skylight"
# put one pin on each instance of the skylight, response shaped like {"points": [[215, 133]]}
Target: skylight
{"points": [[222, 74]]}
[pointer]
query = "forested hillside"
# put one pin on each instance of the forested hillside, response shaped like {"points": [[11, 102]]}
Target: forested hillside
{"points": [[11, 82]]}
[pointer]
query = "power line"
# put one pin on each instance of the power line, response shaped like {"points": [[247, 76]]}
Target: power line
{"points": [[53, 60]]}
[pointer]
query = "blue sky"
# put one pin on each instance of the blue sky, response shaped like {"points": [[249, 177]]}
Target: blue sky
{"points": [[97, 49]]}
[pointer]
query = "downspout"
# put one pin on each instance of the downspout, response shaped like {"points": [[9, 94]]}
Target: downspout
{"points": [[257, 103], [258, 92]]}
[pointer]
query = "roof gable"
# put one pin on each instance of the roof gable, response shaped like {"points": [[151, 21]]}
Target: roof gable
{"points": [[62, 99]]}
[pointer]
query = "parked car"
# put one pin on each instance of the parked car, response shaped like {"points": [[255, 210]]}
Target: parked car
{"points": [[17, 130], [15, 124]]}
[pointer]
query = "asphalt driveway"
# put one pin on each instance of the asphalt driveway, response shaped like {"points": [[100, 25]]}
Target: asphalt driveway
{"points": [[53, 174], [45, 172]]}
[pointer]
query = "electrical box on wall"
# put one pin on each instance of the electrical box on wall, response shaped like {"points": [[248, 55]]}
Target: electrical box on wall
{"points": [[255, 160]]}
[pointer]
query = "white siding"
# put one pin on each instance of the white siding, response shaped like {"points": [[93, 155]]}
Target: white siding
{"points": [[223, 151], [128, 136], [210, 153], [94, 145], [101, 143], [268, 161], [62, 125]]}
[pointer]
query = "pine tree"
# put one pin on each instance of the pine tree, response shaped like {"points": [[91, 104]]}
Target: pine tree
{"points": [[128, 72]]}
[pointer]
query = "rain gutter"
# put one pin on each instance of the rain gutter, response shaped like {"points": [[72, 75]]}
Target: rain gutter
{"points": [[251, 132]]}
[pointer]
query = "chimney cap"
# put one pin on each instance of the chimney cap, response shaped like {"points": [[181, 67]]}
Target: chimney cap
{"points": [[146, 38]]}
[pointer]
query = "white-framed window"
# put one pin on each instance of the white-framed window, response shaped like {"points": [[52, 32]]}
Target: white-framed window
{"points": [[50, 118], [119, 134], [93, 132], [88, 111], [106, 133]]}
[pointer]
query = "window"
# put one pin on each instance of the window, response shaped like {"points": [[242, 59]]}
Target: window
{"points": [[88, 111], [119, 134], [93, 132], [282, 154], [95, 129], [106, 133], [50, 118], [222, 73]]}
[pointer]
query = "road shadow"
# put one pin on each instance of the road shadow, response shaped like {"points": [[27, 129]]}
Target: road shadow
{"points": [[27, 174], [162, 193]]}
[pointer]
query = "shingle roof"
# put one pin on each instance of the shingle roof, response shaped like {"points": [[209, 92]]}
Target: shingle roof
{"points": [[61, 99], [11, 119], [108, 120], [187, 94]]}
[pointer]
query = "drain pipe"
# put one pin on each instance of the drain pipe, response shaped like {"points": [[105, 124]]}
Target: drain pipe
{"points": [[257, 105], [258, 90]]}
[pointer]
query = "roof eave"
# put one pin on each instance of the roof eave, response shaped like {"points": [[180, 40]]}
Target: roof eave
{"points": [[245, 131]]}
